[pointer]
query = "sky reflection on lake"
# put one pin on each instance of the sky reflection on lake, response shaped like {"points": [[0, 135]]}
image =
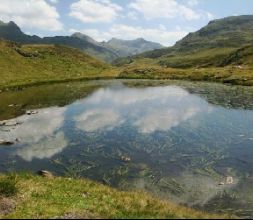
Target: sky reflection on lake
{"points": [[180, 146]]}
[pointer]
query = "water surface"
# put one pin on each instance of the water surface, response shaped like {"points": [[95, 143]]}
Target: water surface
{"points": [[178, 140]]}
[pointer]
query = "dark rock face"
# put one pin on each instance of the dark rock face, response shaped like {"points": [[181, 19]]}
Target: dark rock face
{"points": [[10, 31]]}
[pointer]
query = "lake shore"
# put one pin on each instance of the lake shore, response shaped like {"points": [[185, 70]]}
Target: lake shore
{"points": [[30, 196], [233, 75], [201, 75], [216, 75]]}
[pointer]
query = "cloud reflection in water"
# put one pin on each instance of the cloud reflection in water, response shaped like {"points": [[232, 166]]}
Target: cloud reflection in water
{"points": [[148, 109], [38, 134]]}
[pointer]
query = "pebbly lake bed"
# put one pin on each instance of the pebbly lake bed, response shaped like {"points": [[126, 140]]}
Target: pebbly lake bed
{"points": [[189, 142]]}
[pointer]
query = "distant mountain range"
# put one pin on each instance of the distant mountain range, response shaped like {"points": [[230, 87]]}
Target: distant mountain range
{"points": [[212, 45], [123, 48], [107, 51]]}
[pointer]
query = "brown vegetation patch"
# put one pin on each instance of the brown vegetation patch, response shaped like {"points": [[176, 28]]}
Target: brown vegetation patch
{"points": [[6, 206]]}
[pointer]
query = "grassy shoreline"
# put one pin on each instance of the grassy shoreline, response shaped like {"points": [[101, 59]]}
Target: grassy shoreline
{"points": [[203, 75], [58, 197], [206, 75], [52, 82], [147, 69]]}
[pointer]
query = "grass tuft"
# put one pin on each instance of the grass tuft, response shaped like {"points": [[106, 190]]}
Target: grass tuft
{"points": [[8, 186]]}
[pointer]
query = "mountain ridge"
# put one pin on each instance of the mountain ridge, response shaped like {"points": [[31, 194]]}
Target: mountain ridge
{"points": [[106, 51], [126, 47], [222, 35]]}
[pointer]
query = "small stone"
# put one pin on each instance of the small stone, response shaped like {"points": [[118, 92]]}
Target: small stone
{"points": [[85, 195], [7, 143], [32, 112], [2, 123], [125, 159], [229, 180], [45, 173], [9, 123]]}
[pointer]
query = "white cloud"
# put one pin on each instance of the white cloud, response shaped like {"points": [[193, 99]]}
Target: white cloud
{"points": [[31, 14], [54, 1], [160, 34], [168, 9], [209, 15], [95, 11]]}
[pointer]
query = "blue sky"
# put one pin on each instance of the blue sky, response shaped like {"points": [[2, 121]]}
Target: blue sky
{"points": [[163, 21]]}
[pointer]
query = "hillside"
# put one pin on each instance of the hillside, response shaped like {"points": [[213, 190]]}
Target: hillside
{"points": [[222, 51], [10, 31], [37, 64], [38, 197], [106, 51], [206, 47]]}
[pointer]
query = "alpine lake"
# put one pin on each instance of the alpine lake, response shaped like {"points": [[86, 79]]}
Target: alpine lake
{"points": [[188, 142]]}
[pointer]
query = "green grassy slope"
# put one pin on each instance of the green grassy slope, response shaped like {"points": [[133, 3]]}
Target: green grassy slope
{"points": [[206, 47], [229, 32], [38, 64], [221, 33], [39, 197], [222, 51], [242, 56], [238, 72]]}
